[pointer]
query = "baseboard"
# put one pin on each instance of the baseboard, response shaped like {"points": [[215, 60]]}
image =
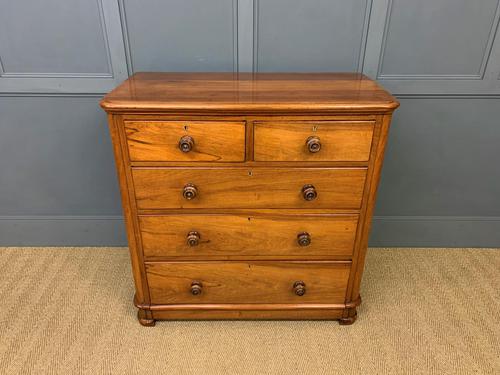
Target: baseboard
{"points": [[387, 231], [62, 231], [435, 231]]}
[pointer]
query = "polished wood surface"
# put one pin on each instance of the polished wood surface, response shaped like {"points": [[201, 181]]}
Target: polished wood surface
{"points": [[268, 235], [159, 188], [249, 93], [248, 196], [240, 282], [313, 141], [210, 140], [298, 313]]}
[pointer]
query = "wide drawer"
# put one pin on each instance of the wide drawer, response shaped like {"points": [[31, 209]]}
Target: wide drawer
{"points": [[247, 282], [186, 141], [313, 141], [158, 188], [212, 235]]}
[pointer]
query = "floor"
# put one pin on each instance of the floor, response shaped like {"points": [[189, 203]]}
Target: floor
{"points": [[424, 311]]}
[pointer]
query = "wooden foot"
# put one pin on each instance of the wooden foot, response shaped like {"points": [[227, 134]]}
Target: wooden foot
{"points": [[146, 321], [348, 320]]}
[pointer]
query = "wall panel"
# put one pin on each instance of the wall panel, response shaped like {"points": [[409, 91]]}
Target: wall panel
{"points": [[440, 183], [58, 47], [437, 39], [56, 158], [315, 35], [180, 35]]}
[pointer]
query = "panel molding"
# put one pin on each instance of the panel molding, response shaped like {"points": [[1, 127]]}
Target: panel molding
{"points": [[362, 46], [478, 76], [126, 37], [245, 35], [78, 82]]}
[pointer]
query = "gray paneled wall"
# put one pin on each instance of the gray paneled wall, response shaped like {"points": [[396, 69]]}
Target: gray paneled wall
{"points": [[440, 185]]}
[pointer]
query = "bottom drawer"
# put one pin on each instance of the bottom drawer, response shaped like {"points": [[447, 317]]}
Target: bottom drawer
{"points": [[247, 282]]}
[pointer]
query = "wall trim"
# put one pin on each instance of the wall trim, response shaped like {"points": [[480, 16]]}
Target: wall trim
{"points": [[448, 96], [48, 94]]}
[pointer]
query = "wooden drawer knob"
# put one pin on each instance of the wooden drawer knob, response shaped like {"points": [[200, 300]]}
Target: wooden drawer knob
{"points": [[299, 288], [186, 143], [196, 288], [189, 192], [304, 239], [193, 238], [309, 192], [313, 144]]}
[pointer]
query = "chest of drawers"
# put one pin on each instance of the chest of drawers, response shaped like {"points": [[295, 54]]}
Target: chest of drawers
{"points": [[248, 196]]}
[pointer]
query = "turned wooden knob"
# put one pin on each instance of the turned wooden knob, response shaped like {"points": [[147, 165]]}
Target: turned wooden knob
{"points": [[313, 144], [299, 288], [304, 239], [186, 143], [193, 238], [196, 288], [189, 192], [309, 192]]}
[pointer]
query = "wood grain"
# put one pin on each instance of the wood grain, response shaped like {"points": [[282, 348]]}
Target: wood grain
{"points": [[318, 313], [214, 141], [247, 235], [286, 141], [248, 188], [248, 161], [249, 93], [128, 203], [247, 282]]}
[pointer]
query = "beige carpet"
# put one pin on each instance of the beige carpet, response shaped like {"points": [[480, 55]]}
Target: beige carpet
{"points": [[425, 311]]}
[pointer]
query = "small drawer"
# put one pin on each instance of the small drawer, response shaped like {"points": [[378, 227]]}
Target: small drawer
{"points": [[211, 141], [162, 188], [247, 282], [313, 141], [270, 235]]}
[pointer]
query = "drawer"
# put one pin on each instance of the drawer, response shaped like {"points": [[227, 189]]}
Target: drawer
{"points": [[202, 235], [161, 188], [247, 282], [313, 141], [200, 140]]}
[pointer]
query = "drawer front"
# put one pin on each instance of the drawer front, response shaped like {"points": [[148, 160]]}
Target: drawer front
{"points": [[198, 236], [200, 141], [247, 282], [313, 141], [158, 188]]}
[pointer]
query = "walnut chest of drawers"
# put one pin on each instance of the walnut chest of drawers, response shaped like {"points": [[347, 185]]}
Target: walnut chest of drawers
{"points": [[248, 196]]}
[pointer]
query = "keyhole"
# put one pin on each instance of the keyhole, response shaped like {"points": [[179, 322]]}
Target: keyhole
{"points": [[185, 127], [315, 128], [250, 173]]}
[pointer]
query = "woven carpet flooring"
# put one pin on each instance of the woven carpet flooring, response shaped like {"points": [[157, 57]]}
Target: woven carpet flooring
{"points": [[425, 311]]}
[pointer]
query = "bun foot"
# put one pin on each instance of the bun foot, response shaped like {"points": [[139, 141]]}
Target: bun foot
{"points": [[145, 321], [348, 320]]}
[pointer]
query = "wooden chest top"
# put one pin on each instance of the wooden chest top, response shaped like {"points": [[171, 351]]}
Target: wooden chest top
{"points": [[249, 93]]}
